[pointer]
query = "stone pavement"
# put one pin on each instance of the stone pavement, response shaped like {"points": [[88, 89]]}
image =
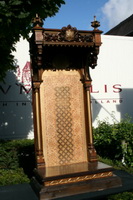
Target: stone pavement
{"points": [[25, 192]]}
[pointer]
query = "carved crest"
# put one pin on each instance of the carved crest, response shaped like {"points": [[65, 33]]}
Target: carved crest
{"points": [[67, 34]]}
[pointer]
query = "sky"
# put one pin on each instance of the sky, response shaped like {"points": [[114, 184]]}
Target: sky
{"points": [[80, 14]]}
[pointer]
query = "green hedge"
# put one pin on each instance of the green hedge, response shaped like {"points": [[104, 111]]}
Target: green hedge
{"points": [[13, 176], [17, 161], [121, 196], [115, 141]]}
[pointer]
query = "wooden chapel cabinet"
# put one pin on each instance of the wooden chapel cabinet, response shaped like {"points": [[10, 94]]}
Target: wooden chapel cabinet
{"points": [[66, 159]]}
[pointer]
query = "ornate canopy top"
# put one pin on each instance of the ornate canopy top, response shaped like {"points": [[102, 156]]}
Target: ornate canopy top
{"points": [[43, 44], [66, 36]]}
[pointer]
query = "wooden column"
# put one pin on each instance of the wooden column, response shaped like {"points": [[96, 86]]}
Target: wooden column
{"points": [[92, 155], [37, 125], [36, 51]]}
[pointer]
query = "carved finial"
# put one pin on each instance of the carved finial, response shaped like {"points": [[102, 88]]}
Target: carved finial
{"points": [[95, 24], [37, 21]]}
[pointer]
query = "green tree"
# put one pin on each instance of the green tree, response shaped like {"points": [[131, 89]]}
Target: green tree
{"points": [[15, 21]]}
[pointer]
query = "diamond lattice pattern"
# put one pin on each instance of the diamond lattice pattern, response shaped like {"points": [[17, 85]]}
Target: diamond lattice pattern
{"points": [[64, 124]]}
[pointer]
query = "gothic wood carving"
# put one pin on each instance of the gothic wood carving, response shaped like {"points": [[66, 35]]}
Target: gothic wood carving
{"points": [[67, 34], [64, 49]]}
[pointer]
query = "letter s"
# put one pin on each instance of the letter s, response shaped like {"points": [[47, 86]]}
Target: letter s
{"points": [[117, 88]]}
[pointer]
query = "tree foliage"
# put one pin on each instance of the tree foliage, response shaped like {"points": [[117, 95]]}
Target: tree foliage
{"points": [[15, 21]]}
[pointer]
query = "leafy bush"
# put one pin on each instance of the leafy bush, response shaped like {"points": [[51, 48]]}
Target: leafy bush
{"points": [[122, 196], [8, 158], [9, 177], [106, 142], [115, 141], [17, 161]]}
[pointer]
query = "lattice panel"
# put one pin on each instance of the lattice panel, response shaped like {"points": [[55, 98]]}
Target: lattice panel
{"points": [[64, 124], [62, 116]]}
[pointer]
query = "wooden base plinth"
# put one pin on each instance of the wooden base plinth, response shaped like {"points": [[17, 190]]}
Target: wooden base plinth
{"points": [[55, 183]]}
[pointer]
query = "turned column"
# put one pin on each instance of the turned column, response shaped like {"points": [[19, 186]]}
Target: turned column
{"points": [[37, 125], [92, 155]]}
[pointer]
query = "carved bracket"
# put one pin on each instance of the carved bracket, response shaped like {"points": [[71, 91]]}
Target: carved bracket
{"points": [[92, 57]]}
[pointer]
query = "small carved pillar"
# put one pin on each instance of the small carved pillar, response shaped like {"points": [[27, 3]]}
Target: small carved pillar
{"points": [[36, 51], [92, 156], [37, 124], [86, 80]]}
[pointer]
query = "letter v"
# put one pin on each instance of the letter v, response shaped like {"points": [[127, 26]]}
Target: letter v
{"points": [[5, 91]]}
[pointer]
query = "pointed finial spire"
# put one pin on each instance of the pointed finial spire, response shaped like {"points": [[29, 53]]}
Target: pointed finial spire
{"points": [[95, 18], [37, 21], [95, 24]]}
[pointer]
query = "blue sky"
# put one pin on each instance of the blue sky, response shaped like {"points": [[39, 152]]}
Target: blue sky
{"points": [[80, 13]]}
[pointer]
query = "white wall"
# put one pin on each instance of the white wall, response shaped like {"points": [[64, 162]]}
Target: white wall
{"points": [[112, 93], [112, 88]]}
